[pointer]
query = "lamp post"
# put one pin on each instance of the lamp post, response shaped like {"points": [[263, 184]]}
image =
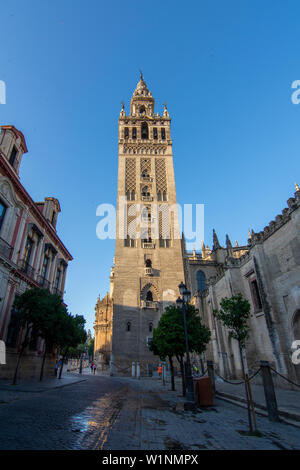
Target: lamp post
{"points": [[182, 302]]}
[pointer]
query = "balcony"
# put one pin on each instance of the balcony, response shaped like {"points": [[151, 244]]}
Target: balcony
{"points": [[147, 198], [42, 281], [147, 178], [149, 304], [26, 268], [5, 249], [148, 271], [148, 245]]}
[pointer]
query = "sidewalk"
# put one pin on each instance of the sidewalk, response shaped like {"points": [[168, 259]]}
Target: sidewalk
{"points": [[288, 401], [154, 418], [25, 388]]}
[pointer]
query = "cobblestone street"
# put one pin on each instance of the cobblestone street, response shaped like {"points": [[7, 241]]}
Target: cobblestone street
{"points": [[125, 414]]}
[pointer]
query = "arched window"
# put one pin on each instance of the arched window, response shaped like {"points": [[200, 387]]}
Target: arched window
{"points": [[145, 191], [142, 110], [201, 281], [144, 130], [128, 326], [149, 296]]}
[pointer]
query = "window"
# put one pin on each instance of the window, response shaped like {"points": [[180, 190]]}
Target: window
{"points": [[134, 132], [45, 267], [164, 196], [144, 130], [148, 263], [164, 242], [2, 213], [13, 156], [255, 295], [159, 196], [150, 327], [28, 250], [155, 133], [201, 281], [129, 242], [142, 110], [57, 279], [126, 132], [145, 191], [149, 296], [128, 326], [163, 133]]}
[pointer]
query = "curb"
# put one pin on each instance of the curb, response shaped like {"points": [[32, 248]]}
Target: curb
{"points": [[42, 390], [261, 410]]}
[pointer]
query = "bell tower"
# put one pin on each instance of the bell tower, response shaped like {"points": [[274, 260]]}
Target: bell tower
{"points": [[148, 255]]}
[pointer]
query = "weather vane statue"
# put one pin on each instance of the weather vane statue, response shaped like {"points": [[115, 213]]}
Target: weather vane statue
{"points": [[141, 74]]}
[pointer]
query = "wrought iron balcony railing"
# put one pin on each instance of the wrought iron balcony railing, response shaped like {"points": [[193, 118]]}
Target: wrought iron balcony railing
{"points": [[26, 268], [148, 245], [148, 271], [5, 249]]}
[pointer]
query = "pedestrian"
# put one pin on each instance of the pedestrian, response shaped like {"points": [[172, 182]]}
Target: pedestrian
{"points": [[56, 368], [94, 367], [196, 370], [159, 371]]}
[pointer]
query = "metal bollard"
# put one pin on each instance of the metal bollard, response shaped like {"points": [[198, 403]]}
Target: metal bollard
{"points": [[133, 369], [270, 395], [211, 374], [138, 370]]}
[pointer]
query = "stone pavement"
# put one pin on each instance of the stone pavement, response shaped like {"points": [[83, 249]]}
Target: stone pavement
{"points": [[111, 413], [24, 388], [288, 401], [157, 421]]}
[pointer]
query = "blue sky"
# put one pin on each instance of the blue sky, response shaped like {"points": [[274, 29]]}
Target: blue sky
{"points": [[225, 69]]}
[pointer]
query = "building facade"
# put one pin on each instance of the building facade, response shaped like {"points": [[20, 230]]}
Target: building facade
{"points": [[267, 273], [148, 256], [31, 253]]}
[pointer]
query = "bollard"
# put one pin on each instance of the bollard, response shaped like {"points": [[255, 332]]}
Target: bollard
{"points": [[138, 370], [269, 390], [133, 369], [211, 374], [164, 373], [111, 365]]}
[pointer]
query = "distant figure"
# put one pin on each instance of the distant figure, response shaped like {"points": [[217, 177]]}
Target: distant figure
{"points": [[196, 370], [159, 370], [55, 368], [94, 368]]}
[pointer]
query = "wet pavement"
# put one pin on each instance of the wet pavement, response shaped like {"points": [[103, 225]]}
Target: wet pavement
{"points": [[105, 413]]}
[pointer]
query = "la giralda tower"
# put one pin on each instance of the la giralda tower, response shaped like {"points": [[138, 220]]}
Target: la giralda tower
{"points": [[148, 255]]}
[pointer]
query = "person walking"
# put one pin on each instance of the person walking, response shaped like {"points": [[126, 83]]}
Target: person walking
{"points": [[94, 368], [159, 370]]}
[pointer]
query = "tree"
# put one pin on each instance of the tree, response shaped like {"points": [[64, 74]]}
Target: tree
{"points": [[234, 314], [71, 335], [37, 310], [169, 337]]}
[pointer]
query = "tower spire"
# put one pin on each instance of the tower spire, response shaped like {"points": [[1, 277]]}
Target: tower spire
{"points": [[216, 243]]}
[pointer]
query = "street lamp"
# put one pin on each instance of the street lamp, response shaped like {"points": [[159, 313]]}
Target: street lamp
{"points": [[182, 303]]}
